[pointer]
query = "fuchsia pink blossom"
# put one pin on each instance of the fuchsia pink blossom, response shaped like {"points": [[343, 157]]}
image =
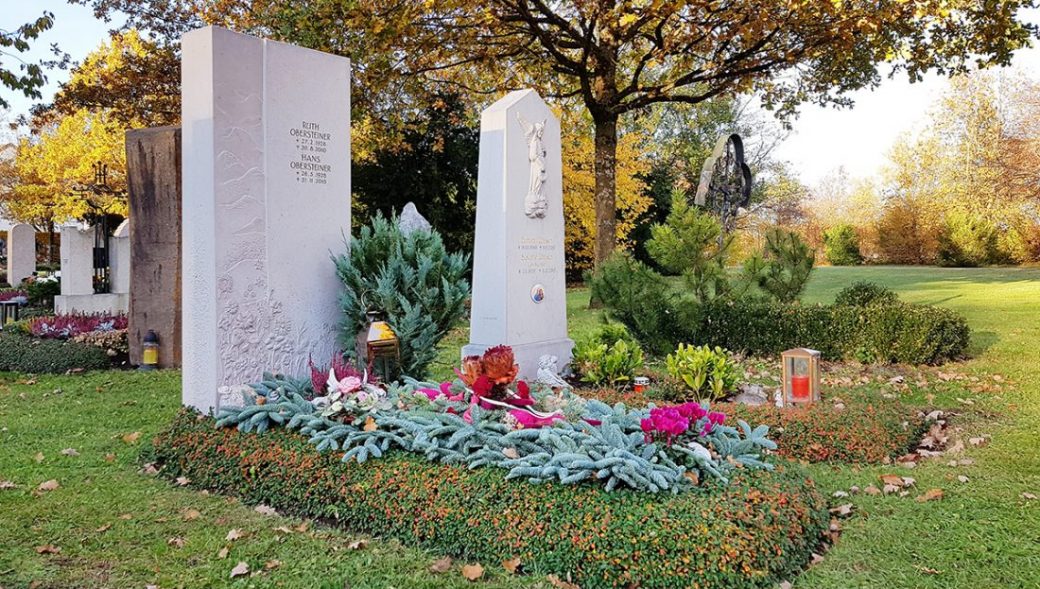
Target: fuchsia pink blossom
{"points": [[672, 422]]}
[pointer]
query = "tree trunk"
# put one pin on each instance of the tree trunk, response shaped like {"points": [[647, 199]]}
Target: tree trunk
{"points": [[51, 260], [606, 184]]}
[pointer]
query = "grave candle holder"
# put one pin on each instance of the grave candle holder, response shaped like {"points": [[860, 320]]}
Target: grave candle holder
{"points": [[801, 376]]}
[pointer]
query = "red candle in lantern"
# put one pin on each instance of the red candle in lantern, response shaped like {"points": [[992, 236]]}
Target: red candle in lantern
{"points": [[800, 387]]}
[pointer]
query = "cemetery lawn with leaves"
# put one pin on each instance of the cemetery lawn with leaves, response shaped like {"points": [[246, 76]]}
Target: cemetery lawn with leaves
{"points": [[108, 524]]}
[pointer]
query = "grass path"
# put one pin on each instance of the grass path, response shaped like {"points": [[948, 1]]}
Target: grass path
{"points": [[119, 528]]}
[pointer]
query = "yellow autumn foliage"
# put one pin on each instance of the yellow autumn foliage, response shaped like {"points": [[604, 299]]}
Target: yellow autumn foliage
{"points": [[579, 185], [49, 169]]}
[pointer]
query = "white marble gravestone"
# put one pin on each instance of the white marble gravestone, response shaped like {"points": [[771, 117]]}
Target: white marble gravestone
{"points": [[519, 287], [266, 181], [119, 258], [77, 275], [21, 253], [77, 260]]}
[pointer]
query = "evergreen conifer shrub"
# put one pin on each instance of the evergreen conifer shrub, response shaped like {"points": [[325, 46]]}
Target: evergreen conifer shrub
{"points": [[841, 245], [418, 287]]}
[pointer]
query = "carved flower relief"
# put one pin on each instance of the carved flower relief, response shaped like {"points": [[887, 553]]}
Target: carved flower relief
{"points": [[225, 284]]}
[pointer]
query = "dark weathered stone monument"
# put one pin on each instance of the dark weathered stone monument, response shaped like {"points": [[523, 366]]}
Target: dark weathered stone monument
{"points": [[725, 185], [153, 161]]}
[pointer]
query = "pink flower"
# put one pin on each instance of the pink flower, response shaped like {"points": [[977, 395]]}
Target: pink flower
{"points": [[529, 420], [714, 418], [349, 385], [445, 390]]}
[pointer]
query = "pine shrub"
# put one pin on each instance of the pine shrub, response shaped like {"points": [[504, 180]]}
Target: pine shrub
{"points": [[641, 299], [754, 533], [418, 287], [782, 269]]}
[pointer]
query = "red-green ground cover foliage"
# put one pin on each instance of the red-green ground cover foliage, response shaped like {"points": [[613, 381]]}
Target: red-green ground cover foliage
{"points": [[860, 428], [759, 530]]}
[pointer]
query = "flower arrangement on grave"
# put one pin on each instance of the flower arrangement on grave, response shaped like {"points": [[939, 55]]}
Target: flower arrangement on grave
{"points": [[71, 325], [486, 417]]}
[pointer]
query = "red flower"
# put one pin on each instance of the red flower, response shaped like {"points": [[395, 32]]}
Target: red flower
{"points": [[482, 386]]}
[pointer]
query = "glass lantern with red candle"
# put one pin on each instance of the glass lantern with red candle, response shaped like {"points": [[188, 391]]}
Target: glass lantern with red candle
{"points": [[801, 373]]}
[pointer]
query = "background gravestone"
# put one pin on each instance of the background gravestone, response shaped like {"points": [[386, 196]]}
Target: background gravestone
{"points": [[153, 161], [266, 178], [119, 260], [519, 289], [21, 253]]}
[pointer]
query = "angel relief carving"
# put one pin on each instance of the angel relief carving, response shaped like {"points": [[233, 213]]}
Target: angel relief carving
{"points": [[535, 203]]}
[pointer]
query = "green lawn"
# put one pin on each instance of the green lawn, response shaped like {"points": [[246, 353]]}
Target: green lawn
{"points": [[117, 527]]}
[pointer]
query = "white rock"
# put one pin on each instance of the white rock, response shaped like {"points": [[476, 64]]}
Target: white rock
{"points": [[410, 220]]}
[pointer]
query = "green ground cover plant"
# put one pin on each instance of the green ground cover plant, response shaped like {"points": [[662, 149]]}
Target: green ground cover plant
{"points": [[753, 533]]}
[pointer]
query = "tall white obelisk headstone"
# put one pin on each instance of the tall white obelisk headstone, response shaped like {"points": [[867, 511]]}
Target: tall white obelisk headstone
{"points": [[266, 179], [519, 287]]}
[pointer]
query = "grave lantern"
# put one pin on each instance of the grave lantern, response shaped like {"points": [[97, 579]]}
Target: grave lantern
{"points": [[801, 374], [378, 347], [149, 351]]}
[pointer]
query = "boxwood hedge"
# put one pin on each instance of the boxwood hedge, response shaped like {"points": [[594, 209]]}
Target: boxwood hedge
{"points": [[886, 331], [21, 353], [759, 530]]}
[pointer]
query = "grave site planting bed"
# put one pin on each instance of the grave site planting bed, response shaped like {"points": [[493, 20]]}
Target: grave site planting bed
{"points": [[864, 429], [760, 529]]}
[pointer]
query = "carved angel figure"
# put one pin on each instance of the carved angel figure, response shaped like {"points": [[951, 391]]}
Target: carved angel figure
{"points": [[548, 372], [535, 203]]}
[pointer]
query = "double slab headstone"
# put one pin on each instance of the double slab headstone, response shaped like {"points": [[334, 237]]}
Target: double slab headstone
{"points": [[266, 180], [519, 287]]}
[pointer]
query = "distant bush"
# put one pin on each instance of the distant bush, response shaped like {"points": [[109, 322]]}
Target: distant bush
{"points": [[841, 245], [752, 534], [904, 235], [967, 241], [21, 353], [863, 294]]}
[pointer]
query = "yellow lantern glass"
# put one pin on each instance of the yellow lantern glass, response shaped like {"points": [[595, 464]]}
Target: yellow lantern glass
{"points": [[801, 376], [382, 350]]}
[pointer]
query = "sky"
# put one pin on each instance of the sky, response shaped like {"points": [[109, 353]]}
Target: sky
{"points": [[823, 139]]}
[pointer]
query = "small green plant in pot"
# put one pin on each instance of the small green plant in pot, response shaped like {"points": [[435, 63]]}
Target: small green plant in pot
{"points": [[708, 373]]}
